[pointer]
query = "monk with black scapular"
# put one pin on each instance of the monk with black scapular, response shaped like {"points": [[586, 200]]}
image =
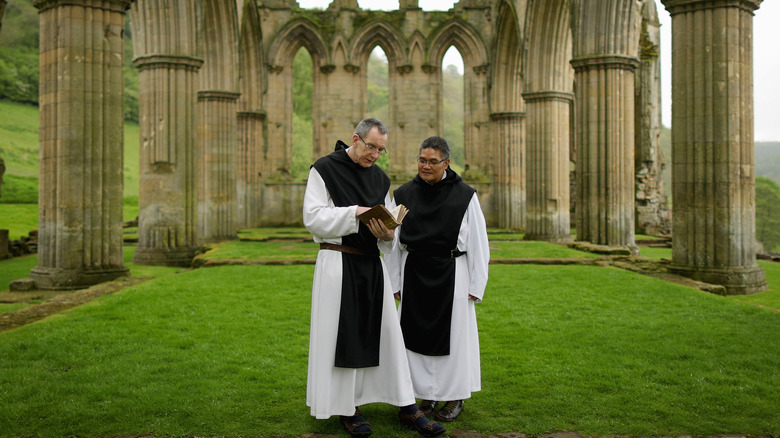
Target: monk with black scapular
{"points": [[440, 270], [356, 350]]}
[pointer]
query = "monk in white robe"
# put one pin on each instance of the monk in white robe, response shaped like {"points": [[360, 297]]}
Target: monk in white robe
{"points": [[356, 351], [440, 266]]}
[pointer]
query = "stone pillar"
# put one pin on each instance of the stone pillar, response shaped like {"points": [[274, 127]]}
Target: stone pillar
{"points": [[217, 165], [713, 179], [652, 210], [605, 150], [510, 169], [415, 114], [336, 86], [81, 143], [547, 178], [480, 154], [249, 165], [278, 106], [168, 194]]}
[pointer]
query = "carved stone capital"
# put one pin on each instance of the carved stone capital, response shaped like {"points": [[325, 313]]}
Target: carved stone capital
{"points": [[109, 5], [429, 69], [350, 68], [546, 96], [684, 6], [404, 69], [481, 69], [605, 62], [508, 116], [275, 69], [173, 62], [217, 96], [327, 69], [255, 115]]}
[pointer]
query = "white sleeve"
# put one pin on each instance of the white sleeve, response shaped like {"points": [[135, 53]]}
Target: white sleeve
{"points": [[320, 215], [478, 249], [393, 259]]}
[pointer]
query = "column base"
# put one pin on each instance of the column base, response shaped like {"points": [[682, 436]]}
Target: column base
{"points": [[735, 280], [68, 279], [165, 256]]}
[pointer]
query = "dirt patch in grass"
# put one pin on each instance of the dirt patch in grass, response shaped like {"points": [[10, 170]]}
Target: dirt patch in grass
{"points": [[56, 301]]}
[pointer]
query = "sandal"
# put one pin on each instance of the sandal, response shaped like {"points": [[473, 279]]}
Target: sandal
{"points": [[356, 426], [429, 429]]}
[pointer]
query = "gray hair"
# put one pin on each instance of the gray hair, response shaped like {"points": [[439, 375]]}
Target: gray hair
{"points": [[366, 125], [438, 144]]}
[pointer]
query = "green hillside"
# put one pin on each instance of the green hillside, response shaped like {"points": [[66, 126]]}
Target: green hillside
{"points": [[19, 149]]}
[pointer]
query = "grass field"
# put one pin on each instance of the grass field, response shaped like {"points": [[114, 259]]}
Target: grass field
{"points": [[222, 352]]}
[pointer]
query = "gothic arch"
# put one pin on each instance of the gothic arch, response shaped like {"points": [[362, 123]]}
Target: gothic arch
{"points": [[378, 33], [291, 37], [251, 81], [219, 44], [611, 29], [548, 46], [465, 38], [507, 74]]}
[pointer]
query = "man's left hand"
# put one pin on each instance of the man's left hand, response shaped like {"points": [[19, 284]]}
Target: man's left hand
{"points": [[379, 230]]}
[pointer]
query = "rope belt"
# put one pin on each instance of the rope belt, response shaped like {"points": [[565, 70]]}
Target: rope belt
{"points": [[346, 249], [444, 254]]}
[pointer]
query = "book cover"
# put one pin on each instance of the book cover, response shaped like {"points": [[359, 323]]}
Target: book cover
{"points": [[391, 219]]}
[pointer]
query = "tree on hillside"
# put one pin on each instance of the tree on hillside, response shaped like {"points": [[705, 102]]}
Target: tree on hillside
{"points": [[19, 53], [768, 213]]}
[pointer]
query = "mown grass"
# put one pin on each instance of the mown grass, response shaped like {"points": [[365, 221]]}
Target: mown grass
{"points": [[223, 351], [18, 219]]}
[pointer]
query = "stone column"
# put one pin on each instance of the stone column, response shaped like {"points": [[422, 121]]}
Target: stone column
{"points": [[249, 165], [415, 114], [652, 210], [510, 169], [217, 165], [713, 179], [336, 86], [605, 150], [547, 177], [81, 143], [278, 105], [480, 154], [168, 195]]}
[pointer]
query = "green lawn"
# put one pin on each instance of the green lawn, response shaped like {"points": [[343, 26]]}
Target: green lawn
{"points": [[222, 352]]}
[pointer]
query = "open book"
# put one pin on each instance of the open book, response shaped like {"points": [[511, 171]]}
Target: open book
{"points": [[391, 219]]}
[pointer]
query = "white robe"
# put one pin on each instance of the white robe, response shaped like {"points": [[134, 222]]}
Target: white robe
{"points": [[337, 391], [456, 376]]}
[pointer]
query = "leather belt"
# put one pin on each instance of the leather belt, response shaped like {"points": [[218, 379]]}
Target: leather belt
{"points": [[445, 254], [344, 248]]}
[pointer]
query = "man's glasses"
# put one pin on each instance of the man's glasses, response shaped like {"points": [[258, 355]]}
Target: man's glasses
{"points": [[372, 148], [422, 162]]}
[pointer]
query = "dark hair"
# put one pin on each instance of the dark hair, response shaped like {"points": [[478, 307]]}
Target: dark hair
{"points": [[366, 125], [437, 143]]}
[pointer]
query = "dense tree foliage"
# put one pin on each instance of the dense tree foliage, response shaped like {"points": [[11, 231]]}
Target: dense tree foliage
{"points": [[768, 213], [19, 53]]}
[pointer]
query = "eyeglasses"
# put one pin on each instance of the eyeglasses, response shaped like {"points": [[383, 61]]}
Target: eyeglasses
{"points": [[422, 161], [372, 148]]}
